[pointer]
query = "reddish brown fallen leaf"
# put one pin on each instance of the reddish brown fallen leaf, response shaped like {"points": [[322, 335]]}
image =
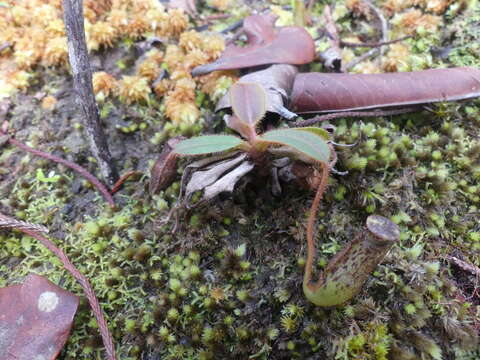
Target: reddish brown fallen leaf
{"points": [[266, 44], [35, 319], [164, 170], [318, 92], [277, 80], [189, 6]]}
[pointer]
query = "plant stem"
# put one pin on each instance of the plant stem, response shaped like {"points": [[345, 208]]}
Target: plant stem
{"points": [[345, 114], [307, 278], [83, 172]]}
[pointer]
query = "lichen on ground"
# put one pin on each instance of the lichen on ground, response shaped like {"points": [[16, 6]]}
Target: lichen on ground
{"points": [[228, 282]]}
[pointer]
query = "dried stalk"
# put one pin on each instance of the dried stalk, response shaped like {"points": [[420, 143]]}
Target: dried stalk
{"points": [[82, 81], [343, 114], [80, 170]]}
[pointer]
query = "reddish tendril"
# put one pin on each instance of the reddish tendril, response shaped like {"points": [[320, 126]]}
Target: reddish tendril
{"points": [[80, 170]]}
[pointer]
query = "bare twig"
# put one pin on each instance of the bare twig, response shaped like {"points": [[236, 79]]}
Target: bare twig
{"points": [[374, 44], [332, 57], [319, 118], [5, 45], [374, 51], [383, 23], [33, 231], [217, 17], [80, 170], [236, 25], [10, 223], [82, 80]]}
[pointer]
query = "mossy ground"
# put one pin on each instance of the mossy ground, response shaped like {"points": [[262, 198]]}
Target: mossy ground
{"points": [[227, 284]]}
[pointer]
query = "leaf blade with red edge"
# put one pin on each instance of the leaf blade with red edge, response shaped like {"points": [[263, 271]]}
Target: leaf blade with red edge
{"points": [[307, 143], [207, 144], [248, 102]]}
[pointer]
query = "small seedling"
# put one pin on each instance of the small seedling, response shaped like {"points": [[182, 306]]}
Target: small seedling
{"points": [[233, 157], [236, 156]]}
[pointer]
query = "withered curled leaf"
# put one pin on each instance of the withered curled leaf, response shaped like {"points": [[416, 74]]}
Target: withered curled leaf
{"points": [[203, 178], [35, 319], [318, 92], [266, 44], [164, 170]]}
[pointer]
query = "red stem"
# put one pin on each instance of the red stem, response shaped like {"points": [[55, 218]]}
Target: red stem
{"points": [[122, 179], [83, 172], [311, 231], [82, 280]]}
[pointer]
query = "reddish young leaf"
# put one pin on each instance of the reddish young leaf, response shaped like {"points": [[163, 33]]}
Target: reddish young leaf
{"points": [[240, 126], [35, 319], [317, 92], [277, 81], [248, 102], [266, 44]]}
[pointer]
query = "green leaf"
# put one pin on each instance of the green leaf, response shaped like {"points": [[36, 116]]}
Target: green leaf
{"points": [[317, 131], [207, 144], [306, 142], [248, 102]]}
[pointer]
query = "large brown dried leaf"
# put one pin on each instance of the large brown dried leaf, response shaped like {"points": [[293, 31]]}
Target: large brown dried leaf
{"points": [[266, 44], [35, 319], [277, 80], [317, 92]]}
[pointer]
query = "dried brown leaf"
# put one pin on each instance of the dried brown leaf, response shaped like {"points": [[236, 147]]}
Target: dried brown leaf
{"points": [[164, 170], [318, 92], [266, 44]]}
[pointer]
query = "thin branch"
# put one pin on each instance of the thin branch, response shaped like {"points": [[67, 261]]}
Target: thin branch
{"points": [[374, 51], [236, 25], [375, 113], [31, 230], [383, 24], [82, 81], [80, 170], [5, 45], [374, 44]]}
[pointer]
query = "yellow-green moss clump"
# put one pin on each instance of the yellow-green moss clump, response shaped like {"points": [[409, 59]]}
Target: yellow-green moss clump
{"points": [[35, 33]]}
